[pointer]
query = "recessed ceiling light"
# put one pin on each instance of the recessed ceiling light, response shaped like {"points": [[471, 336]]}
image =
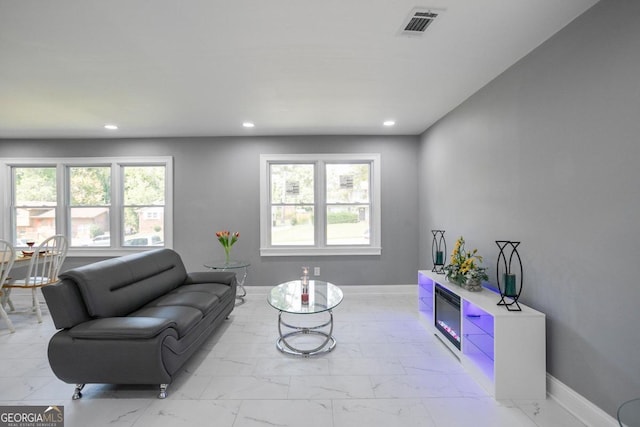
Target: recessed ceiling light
{"points": [[110, 127], [389, 122], [248, 124]]}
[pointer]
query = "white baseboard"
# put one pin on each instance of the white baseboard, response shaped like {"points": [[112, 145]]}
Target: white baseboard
{"points": [[578, 405]]}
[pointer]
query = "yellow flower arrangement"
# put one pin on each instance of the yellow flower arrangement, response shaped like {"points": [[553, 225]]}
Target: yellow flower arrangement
{"points": [[464, 265]]}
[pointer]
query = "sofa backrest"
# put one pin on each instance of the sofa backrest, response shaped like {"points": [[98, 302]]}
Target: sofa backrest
{"points": [[65, 303], [118, 286]]}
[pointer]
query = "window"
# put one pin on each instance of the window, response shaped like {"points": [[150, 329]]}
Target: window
{"points": [[89, 206], [104, 206], [35, 203], [324, 204], [292, 204], [143, 207]]}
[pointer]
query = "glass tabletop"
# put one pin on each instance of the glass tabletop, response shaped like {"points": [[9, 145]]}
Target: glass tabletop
{"points": [[224, 265], [629, 413], [323, 296]]}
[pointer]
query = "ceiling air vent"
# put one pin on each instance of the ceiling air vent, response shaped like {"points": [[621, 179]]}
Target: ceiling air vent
{"points": [[418, 21]]}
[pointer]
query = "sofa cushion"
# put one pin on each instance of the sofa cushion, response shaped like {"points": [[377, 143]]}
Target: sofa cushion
{"points": [[216, 289], [203, 301], [118, 286], [121, 328], [184, 318]]}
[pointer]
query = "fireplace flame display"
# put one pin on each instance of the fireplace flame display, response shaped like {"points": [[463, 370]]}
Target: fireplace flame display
{"points": [[447, 314]]}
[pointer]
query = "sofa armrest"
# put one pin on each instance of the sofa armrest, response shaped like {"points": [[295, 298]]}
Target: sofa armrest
{"points": [[224, 277], [133, 328]]}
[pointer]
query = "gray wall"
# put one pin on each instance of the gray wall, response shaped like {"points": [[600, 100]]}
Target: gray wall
{"points": [[548, 154], [217, 187]]}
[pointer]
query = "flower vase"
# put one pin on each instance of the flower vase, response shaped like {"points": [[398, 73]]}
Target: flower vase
{"points": [[456, 280], [473, 285], [227, 253]]}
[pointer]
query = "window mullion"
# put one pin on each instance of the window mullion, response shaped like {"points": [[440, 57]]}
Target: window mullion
{"points": [[63, 201], [7, 204], [168, 201], [321, 204], [268, 214], [117, 195]]}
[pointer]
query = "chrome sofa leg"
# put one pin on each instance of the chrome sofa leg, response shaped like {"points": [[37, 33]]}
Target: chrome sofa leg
{"points": [[76, 394], [163, 391]]}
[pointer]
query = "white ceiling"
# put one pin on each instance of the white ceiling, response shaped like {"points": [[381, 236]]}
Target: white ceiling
{"points": [[293, 67]]}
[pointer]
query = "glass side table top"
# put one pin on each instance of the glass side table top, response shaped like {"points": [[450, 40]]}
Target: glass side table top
{"points": [[233, 264], [224, 265], [323, 296], [629, 413]]}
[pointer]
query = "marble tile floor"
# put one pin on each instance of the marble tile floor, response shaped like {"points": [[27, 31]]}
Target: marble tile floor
{"points": [[387, 370]]}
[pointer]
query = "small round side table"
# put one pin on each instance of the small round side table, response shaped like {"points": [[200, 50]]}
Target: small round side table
{"points": [[241, 275]]}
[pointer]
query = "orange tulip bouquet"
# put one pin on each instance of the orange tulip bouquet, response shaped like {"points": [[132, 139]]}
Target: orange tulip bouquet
{"points": [[227, 239]]}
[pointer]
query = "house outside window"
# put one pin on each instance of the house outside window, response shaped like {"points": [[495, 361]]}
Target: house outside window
{"points": [[320, 204]]}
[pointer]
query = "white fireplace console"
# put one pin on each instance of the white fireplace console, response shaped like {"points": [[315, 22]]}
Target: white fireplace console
{"points": [[504, 351]]}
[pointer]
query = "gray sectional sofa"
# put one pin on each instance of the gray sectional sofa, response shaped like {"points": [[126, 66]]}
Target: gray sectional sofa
{"points": [[135, 319]]}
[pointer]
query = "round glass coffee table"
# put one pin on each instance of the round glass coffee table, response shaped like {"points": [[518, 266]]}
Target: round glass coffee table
{"points": [[287, 298], [241, 275]]}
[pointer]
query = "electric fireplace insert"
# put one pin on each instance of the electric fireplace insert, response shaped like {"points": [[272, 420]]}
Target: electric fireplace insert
{"points": [[447, 314]]}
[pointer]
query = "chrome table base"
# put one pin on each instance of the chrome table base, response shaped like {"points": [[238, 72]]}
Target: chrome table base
{"points": [[285, 345]]}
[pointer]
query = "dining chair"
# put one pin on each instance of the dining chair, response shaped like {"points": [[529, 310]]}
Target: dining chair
{"points": [[43, 270], [7, 257]]}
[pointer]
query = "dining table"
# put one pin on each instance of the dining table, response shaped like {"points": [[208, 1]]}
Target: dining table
{"points": [[20, 263]]}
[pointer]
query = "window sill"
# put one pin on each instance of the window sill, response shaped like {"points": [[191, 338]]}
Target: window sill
{"points": [[302, 251], [107, 253]]}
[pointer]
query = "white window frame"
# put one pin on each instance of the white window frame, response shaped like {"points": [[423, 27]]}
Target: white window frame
{"points": [[320, 248], [63, 207]]}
